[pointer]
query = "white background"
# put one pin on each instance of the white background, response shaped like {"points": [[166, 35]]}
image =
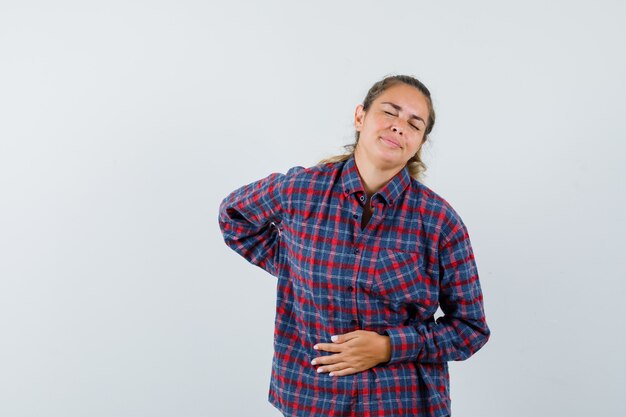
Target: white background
{"points": [[124, 124]]}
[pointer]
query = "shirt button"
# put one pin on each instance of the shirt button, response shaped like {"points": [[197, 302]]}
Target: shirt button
{"points": [[356, 250], [362, 198], [356, 216], [347, 191], [353, 322], [350, 288]]}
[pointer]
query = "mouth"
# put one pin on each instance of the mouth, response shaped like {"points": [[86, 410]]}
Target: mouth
{"points": [[390, 141]]}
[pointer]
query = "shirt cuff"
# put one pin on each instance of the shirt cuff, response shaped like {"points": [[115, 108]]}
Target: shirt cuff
{"points": [[405, 344]]}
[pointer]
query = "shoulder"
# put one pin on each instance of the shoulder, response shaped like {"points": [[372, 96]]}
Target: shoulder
{"points": [[438, 210], [300, 183], [300, 175]]}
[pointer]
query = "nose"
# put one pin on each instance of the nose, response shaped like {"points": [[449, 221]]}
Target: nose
{"points": [[395, 129]]}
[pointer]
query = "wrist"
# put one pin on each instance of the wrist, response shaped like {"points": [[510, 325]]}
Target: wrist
{"points": [[385, 349]]}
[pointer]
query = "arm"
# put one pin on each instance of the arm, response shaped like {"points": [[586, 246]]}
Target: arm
{"points": [[249, 219], [462, 330]]}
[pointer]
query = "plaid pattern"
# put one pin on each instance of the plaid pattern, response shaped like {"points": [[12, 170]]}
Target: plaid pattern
{"points": [[304, 227]]}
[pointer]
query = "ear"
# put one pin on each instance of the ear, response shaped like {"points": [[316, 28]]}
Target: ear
{"points": [[359, 115]]}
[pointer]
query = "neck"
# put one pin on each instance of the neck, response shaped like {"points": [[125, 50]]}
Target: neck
{"points": [[373, 177]]}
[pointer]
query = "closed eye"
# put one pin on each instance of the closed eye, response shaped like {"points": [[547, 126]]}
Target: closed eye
{"points": [[413, 126]]}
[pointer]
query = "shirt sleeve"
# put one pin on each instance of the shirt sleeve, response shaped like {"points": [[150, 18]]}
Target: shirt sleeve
{"points": [[250, 219], [462, 330]]}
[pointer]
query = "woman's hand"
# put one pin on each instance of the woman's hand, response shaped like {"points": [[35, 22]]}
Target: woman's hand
{"points": [[355, 352]]}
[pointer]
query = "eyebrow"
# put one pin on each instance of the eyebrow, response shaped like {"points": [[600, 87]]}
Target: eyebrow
{"points": [[395, 106]]}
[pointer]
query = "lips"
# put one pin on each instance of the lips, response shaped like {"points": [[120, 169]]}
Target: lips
{"points": [[390, 141]]}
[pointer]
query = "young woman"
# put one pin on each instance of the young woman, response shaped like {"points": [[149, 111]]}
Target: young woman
{"points": [[364, 254]]}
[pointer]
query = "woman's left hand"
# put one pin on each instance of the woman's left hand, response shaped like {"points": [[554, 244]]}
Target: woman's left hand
{"points": [[355, 352]]}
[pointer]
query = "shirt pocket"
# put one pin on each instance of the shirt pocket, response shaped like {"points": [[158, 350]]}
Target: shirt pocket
{"points": [[401, 283]]}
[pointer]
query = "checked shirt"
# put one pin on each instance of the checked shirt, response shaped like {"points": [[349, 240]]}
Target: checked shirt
{"points": [[412, 257]]}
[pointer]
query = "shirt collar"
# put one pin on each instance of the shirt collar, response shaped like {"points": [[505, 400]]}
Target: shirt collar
{"points": [[351, 182]]}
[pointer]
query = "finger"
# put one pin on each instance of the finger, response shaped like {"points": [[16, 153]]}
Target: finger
{"points": [[327, 360], [344, 372], [341, 338], [328, 347], [333, 368]]}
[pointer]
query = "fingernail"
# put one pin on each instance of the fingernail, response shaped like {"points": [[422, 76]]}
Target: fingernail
{"points": [[313, 362], [319, 370], [331, 374], [334, 338], [315, 347]]}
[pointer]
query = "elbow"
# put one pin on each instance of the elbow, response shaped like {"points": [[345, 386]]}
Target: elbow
{"points": [[481, 337]]}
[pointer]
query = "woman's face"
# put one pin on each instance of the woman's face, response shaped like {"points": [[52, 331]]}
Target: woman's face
{"points": [[392, 130]]}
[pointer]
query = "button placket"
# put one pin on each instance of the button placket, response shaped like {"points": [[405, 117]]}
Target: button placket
{"points": [[351, 287]]}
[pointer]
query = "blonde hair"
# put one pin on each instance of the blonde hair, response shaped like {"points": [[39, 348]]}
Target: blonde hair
{"points": [[416, 166]]}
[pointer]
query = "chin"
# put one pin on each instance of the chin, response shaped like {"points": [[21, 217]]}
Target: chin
{"points": [[391, 155]]}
